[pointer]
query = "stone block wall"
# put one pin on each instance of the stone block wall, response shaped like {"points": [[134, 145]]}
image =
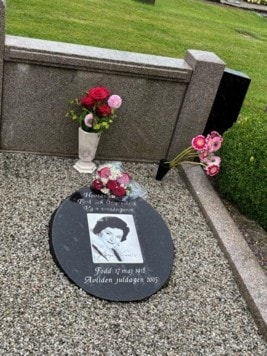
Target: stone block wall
{"points": [[165, 100]]}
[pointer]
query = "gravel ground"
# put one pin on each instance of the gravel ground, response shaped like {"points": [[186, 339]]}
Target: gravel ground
{"points": [[200, 312]]}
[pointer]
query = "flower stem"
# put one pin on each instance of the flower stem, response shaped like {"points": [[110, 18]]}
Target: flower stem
{"points": [[187, 153], [194, 163]]}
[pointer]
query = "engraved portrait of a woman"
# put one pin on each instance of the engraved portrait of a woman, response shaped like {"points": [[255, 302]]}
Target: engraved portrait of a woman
{"points": [[108, 237]]}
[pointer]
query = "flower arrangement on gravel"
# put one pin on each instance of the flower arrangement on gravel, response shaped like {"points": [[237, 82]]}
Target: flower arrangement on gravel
{"points": [[113, 181], [202, 148], [96, 110]]}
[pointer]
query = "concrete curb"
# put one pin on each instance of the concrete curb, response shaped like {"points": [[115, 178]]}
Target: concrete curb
{"points": [[250, 277]]}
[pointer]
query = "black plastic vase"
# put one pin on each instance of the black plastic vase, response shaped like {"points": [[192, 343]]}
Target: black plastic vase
{"points": [[163, 169]]}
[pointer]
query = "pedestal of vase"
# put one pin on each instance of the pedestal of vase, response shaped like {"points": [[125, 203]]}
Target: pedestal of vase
{"points": [[84, 167], [88, 143]]}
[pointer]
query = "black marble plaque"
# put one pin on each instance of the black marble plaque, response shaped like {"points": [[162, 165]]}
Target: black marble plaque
{"points": [[118, 251], [228, 101]]}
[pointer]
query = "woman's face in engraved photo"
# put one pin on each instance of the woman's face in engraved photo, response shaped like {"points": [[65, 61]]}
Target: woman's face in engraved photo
{"points": [[111, 237]]}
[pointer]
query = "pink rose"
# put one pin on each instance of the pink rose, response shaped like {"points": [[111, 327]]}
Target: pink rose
{"points": [[124, 178], [104, 172], [114, 101], [88, 120], [99, 93], [103, 110]]}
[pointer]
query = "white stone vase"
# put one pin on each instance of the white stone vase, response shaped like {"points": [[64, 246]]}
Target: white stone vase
{"points": [[87, 146]]}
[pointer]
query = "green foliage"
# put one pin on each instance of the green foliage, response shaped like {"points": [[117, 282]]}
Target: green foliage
{"points": [[243, 175]]}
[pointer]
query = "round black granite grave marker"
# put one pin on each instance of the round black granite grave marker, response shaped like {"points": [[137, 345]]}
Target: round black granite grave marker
{"points": [[118, 251]]}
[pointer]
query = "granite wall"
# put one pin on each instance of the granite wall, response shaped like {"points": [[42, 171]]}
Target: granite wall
{"points": [[165, 100]]}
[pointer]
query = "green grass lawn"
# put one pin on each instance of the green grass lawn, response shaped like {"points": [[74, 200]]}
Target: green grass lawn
{"points": [[168, 28]]}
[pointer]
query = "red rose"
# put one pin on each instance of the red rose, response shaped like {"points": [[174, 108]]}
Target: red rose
{"points": [[119, 191], [112, 185], [88, 102], [99, 93], [97, 184], [103, 110]]}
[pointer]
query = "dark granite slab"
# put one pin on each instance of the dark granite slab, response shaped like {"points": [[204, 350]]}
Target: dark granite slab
{"points": [[119, 251]]}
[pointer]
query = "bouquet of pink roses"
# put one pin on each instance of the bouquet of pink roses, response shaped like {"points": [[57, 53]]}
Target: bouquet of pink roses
{"points": [[95, 111], [113, 181]]}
